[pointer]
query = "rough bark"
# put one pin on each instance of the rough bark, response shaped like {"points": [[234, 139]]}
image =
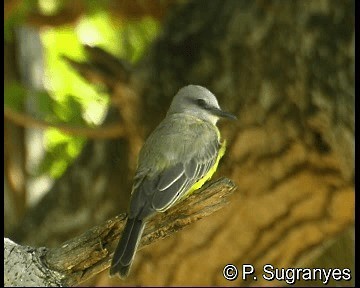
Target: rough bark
{"points": [[84, 256], [287, 70], [23, 267]]}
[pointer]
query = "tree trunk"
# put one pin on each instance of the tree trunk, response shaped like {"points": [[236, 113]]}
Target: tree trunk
{"points": [[287, 70]]}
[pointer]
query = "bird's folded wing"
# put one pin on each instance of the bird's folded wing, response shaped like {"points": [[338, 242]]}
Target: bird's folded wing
{"points": [[177, 180]]}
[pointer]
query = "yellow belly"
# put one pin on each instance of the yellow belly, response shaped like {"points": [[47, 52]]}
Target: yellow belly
{"points": [[211, 172]]}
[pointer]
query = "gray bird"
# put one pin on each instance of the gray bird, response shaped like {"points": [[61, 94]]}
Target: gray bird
{"points": [[178, 157]]}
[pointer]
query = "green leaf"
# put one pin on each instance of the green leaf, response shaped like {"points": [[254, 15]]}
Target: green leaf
{"points": [[61, 151]]}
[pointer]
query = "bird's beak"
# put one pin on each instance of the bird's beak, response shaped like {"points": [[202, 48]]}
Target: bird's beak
{"points": [[220, 113]]}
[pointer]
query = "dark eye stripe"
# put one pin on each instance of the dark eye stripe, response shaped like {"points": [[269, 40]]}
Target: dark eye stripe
{"points": [[201, 102]]}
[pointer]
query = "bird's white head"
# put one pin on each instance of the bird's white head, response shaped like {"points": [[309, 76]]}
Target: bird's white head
{"points": [[198, 101]]}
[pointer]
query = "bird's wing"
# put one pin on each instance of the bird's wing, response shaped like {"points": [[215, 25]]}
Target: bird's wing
{"points": [[177, 180], [161, 191]]}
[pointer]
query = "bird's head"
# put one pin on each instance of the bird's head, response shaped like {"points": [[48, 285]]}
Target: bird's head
{"points": [[198, 101]]}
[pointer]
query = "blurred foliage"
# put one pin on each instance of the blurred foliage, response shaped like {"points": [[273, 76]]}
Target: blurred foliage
{"points": [[14, 95], [68, 98], [16, 17], [50, 7]]}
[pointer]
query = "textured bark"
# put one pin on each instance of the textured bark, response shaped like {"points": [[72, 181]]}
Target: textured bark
{"points": [[286, 68], [23, 267], [86, 255]]}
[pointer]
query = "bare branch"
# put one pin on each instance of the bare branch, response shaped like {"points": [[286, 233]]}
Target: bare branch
{"points": [[108, 131], [84, 256]]}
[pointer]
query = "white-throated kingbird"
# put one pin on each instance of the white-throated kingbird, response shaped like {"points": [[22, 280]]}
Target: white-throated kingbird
{"points": [[178, 157]]}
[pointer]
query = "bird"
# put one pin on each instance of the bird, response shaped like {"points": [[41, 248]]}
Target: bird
{"points": [[177, 158]]}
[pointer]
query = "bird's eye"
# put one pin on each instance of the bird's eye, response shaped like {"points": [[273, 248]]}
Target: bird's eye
{"points": [[201, 102]]}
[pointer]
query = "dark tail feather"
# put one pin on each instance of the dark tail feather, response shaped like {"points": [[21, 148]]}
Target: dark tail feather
{"points": [[125, 251]]}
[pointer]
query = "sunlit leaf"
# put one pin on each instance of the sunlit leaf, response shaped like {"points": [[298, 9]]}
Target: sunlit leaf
{"points": [[50, 7], [71, 99], [61, 150]]}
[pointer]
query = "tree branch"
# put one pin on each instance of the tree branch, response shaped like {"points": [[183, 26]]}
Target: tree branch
{"points": [[84, 256], [108, 131]]}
